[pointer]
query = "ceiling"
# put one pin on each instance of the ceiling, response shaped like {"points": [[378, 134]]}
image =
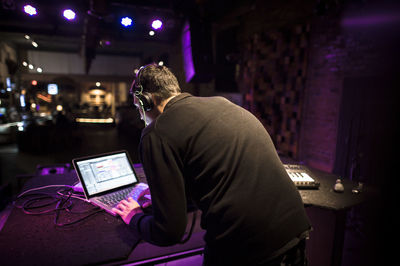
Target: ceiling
{"points": [[97, 21], [97, 28]]}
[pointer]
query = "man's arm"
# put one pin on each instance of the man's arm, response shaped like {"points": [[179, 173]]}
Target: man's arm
{"points": [[167, 224]]}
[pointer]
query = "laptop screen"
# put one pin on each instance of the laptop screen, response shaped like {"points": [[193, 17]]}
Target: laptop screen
{"points": [[105, 172]]}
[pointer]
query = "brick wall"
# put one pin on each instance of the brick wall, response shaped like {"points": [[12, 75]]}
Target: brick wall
{"points": [[336, 52], [292, 73]]}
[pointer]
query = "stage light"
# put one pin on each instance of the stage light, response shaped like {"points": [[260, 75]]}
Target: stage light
{"points": [[156, 24], [30, 10], [151, 33], [98, 84], [35, 44], [161, 63], [27, 37], [24, 63], [39, 69], [34, 82], [30, 66], [126, 21], [69, 14]]}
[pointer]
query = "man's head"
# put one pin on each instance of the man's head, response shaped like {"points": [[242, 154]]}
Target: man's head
{"points": [[156, 80], [153, 86]]}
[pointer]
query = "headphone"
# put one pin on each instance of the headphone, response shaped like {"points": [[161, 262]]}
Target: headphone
{"points": [[145, 100]]}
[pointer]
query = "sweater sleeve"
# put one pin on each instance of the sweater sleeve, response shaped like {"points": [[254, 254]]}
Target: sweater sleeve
{"points": [[167, 224]]}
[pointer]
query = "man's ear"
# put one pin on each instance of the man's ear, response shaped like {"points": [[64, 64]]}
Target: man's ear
{"points": [[154, 99]]}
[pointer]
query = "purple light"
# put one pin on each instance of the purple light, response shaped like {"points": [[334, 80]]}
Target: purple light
{"points": [[30, 10], [126, 21], [187, 53], [378, 19], [156, 24], [69, 14]]}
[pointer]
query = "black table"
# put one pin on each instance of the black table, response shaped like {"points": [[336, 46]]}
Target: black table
{"points": [[326, 197], [35, 240], [101, 239], [327, 211], [104, 239]]}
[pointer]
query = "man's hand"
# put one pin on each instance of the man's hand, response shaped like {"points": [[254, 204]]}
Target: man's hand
{"points": [[127, 209]]}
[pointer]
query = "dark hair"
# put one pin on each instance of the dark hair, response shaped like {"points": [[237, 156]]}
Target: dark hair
{"points": [[157, 80]]}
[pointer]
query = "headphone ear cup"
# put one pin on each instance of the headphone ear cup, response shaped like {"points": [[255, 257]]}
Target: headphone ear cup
{"points": [[145, 101]]}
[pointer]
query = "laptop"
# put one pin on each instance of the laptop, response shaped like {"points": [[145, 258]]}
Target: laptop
{"points": [[108, 178]]}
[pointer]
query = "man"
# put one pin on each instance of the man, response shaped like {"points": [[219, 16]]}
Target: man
{"points": [[219, 155]]}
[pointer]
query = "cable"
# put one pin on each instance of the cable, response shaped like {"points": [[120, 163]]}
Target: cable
{"points": [[137, 94], [43, 187], [75, 196], [28, 205], [80, 219], [62, 200], [191, 228], [60, 206]]}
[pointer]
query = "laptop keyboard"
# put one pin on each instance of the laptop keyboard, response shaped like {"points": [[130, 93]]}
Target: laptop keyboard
{"points": [[113, 199]]}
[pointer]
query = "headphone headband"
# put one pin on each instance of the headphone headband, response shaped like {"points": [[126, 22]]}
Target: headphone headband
{"points": [[137, 80], [145, 100]]}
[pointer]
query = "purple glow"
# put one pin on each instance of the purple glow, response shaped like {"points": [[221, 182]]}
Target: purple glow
{"points": [[187, 53], [52, 171], [156, 24], [30, 10], [371, 20], [69, 14], [126, 21], [105, 42]]}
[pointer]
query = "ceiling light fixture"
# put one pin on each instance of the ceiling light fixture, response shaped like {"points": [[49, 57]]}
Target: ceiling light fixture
{"points": [[126, 21], [69, 14], [30, 10], [156, 24]]}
